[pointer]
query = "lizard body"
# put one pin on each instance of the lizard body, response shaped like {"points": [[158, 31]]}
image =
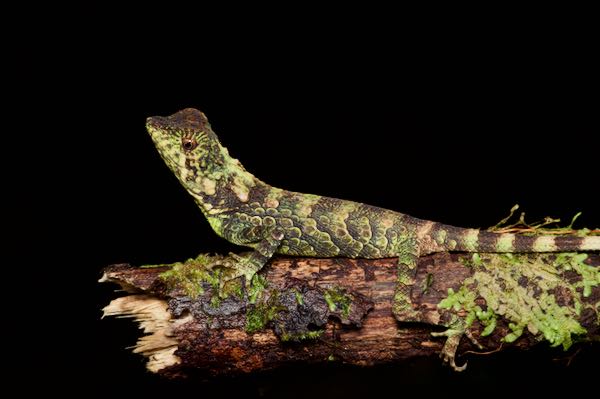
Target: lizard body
{"points": [[248, 212], [243, 209]]}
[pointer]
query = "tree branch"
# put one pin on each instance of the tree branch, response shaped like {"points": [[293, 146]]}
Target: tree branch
{"points": [[318, 310]]}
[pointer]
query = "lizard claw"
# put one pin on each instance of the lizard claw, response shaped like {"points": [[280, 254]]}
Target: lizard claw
{"points": [[473, 340], [448, 353]]}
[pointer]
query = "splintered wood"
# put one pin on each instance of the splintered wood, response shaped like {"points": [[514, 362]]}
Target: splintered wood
{"points": [[156, 322]]}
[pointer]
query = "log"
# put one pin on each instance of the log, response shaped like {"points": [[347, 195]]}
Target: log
{"points": [[340, 310]]}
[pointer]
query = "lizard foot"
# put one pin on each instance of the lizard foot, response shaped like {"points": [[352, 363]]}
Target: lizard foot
{"points": [[218, 270], [448, 352], [235, 266]]}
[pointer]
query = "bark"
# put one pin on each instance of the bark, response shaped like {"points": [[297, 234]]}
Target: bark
{"points": [[349, 300]]}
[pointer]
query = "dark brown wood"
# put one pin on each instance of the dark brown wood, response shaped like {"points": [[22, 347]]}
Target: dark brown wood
{"points": [[197, 335]]}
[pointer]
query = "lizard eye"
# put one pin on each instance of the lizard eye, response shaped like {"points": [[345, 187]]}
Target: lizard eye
{"points": [[188, 143]]}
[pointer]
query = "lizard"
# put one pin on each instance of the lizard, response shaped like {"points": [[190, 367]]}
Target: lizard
{"points": [[249, 212]]}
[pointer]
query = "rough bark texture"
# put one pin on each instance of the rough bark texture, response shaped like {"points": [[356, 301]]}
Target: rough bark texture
{"points": [[350, 300]]}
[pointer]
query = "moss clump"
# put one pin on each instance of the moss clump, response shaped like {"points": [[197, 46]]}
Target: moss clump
{"points": [[522, 289], [259, 315], [337, 298], [191, 274], [257, 286], [465, 299], [233, 287], [590, 275]]}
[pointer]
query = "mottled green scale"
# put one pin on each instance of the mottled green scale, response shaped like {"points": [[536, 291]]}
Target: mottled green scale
{"points": [[370, 251], [286, 222], [301, 236], [256, 220], [269, 221], [360, 228], [309, 227], [293, 232]]}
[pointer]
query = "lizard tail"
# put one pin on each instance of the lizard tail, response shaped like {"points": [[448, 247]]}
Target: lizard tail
{"points": [[450, 238]]}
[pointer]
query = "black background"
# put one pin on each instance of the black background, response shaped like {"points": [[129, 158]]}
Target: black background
{"points": [[452, 129]]}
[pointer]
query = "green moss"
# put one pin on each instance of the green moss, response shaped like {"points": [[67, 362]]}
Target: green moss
{"points": [[309, 335], [257, 286], [233, 287], [259, 315], [215, 301], [337, 298], [191, 274], [255, 320], [298, 295], [522, 288], [590, 275], [476, 259], [464, 298], [517, 331], [488, 319]]}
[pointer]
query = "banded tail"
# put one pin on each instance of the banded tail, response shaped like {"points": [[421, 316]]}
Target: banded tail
{"points": [[451, 238]]}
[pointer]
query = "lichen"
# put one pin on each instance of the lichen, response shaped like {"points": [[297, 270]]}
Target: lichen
{"points": [[337, 298], [523, 289]]}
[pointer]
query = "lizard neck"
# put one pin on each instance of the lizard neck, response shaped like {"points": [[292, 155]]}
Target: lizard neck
{"points": [[224, 185]]}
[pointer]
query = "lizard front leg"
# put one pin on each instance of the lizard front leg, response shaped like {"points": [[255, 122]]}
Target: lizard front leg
{"points": [[265, 241]]}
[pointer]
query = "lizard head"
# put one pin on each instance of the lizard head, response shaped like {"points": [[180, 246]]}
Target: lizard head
{"points": [[188, 145]]}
